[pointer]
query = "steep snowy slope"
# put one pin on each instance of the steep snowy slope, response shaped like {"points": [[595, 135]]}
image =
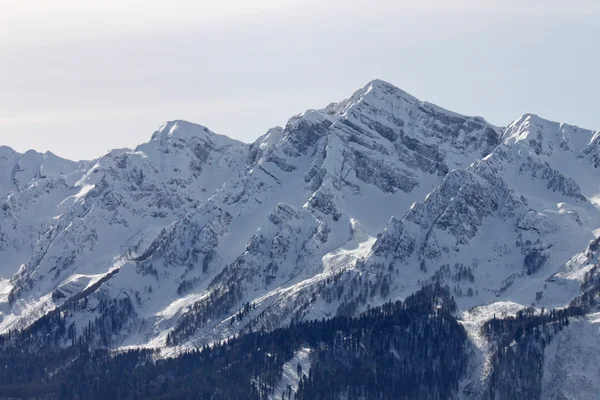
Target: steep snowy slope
{"points": [[193, 237], [32, 187], [324, 170], [572, 362], [573, 151], [496, 230], [19, 170], [116, 209], [505, 218], [382, 147]]}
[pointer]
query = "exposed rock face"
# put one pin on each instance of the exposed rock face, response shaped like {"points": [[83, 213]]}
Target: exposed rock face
{"points": [[345, 207]]}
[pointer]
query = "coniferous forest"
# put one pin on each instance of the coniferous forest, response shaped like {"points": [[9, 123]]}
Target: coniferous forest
{"points": [[411, 349], [404, 350]]}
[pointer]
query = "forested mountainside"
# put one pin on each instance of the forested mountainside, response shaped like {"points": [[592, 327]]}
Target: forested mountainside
{"points": [[417, 345], [195, 253]]}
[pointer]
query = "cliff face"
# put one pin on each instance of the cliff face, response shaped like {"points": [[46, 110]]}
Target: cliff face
{"points": [[195, 237]]}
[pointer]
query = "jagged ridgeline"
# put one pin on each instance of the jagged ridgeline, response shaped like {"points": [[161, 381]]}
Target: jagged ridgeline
{"points": [[414, 349], [192, 238]]}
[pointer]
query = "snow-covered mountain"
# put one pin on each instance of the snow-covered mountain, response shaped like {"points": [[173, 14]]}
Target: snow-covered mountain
{"points": [[194, 237], [32, 188]]}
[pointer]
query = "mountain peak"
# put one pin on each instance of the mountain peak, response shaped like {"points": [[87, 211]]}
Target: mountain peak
{"points": [[545, 135], [380, 89], [382, 85], [6, 151], [534, 119], [181, 129], [184, 131], [193, 236], [379, 94]]}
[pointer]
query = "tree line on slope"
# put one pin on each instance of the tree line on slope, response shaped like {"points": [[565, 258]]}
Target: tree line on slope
{"points": [[520, 341], [413, 349]]}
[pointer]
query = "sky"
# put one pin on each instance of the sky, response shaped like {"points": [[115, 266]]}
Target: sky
{"points": [[81, 77]]}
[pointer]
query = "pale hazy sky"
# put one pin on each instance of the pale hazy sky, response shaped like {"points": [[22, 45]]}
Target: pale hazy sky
{"points": [[81, 77]]}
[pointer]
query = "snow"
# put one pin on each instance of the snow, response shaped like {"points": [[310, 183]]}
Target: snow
{"points": [[356, 248], [572, 361], [378, 179], [473, 320], [290, 377]]}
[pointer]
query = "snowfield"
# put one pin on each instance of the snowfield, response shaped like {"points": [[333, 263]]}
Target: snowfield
{"points": [[346, 207]]}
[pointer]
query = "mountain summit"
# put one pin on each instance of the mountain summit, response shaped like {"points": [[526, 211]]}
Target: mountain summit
{"points": [[194, 237]]}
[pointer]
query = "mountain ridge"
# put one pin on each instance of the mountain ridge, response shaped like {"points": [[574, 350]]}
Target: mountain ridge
{"points": [[193, 237]]}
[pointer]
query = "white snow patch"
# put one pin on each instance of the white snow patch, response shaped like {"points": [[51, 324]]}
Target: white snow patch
{"points": [[290, 378]]}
